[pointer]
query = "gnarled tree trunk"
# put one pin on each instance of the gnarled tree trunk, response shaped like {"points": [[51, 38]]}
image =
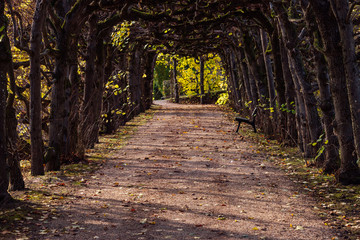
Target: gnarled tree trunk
{"points": [[349, 170], [37, 167], [340, 9], [314, 128]]}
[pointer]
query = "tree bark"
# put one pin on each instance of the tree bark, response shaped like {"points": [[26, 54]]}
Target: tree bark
{"points": [[270, 80], [279, 85], [59, 115], [150, 60], [330, 163], [175, 82], [340, 9], [74, 14], [349, 170], [312, 116], [37, 167], [294, 133], [202, 92], [134, 80], [4, 168], [16, 180], [72, 151], [245, 73], [255, 69]]}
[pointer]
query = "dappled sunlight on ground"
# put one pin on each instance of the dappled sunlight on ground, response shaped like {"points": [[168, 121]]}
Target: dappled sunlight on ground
{"points": [[186, 175]]}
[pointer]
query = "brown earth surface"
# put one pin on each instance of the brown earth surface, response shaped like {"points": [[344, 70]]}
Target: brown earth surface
{"points": [[186, 174]]}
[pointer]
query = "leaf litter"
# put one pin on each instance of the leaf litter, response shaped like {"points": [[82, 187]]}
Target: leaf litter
{"points": [[237, 200]]}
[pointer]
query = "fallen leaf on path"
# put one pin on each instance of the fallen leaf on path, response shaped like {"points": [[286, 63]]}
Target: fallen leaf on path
{"points": [[299, 228]]}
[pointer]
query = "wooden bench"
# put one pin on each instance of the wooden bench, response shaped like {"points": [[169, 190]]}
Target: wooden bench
{"points": [[248, 121]]}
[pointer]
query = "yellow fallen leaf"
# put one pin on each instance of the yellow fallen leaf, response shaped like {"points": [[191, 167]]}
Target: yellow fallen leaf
{"points": [[255, 228]]}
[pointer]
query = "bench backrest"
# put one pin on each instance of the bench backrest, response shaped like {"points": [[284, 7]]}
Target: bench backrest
{"points": [[254, 112]]}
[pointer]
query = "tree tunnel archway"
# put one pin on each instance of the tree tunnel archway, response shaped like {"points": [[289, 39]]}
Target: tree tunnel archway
{"points": [[97, 59]]}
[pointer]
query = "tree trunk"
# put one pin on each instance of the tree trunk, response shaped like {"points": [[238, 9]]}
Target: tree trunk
{"points": [[270, 80], [232, 80], [349, 170], [94, 86], [134, 80], [65, 84], [235, 79], [279, 85], [300, 112], [74, 108], [89, 100], [292, 112], [312, 116], [202, 92], [175, 82], [148, 80], [59, 115], [16, 180], [37, 167], [15, 177], [330, 163], [340, 9], [245, 73], [4, 168], [255, 68]]}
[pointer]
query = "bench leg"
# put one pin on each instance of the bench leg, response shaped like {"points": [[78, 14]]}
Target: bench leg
{"points": [[237, 130], [254, 127]]}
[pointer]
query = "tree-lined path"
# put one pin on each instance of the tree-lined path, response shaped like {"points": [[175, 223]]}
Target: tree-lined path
{"points": [[185, 174]]}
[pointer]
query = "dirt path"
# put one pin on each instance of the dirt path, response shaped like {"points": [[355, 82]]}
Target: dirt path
{"points": [[187, 175]]}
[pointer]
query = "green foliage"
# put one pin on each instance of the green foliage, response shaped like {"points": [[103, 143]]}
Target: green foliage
{"points": [[321, 149], [161, 74], [290, 109], [157, 91]]}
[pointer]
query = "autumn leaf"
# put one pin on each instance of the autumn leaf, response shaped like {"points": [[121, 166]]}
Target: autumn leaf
{"points": [[299, 228]]}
